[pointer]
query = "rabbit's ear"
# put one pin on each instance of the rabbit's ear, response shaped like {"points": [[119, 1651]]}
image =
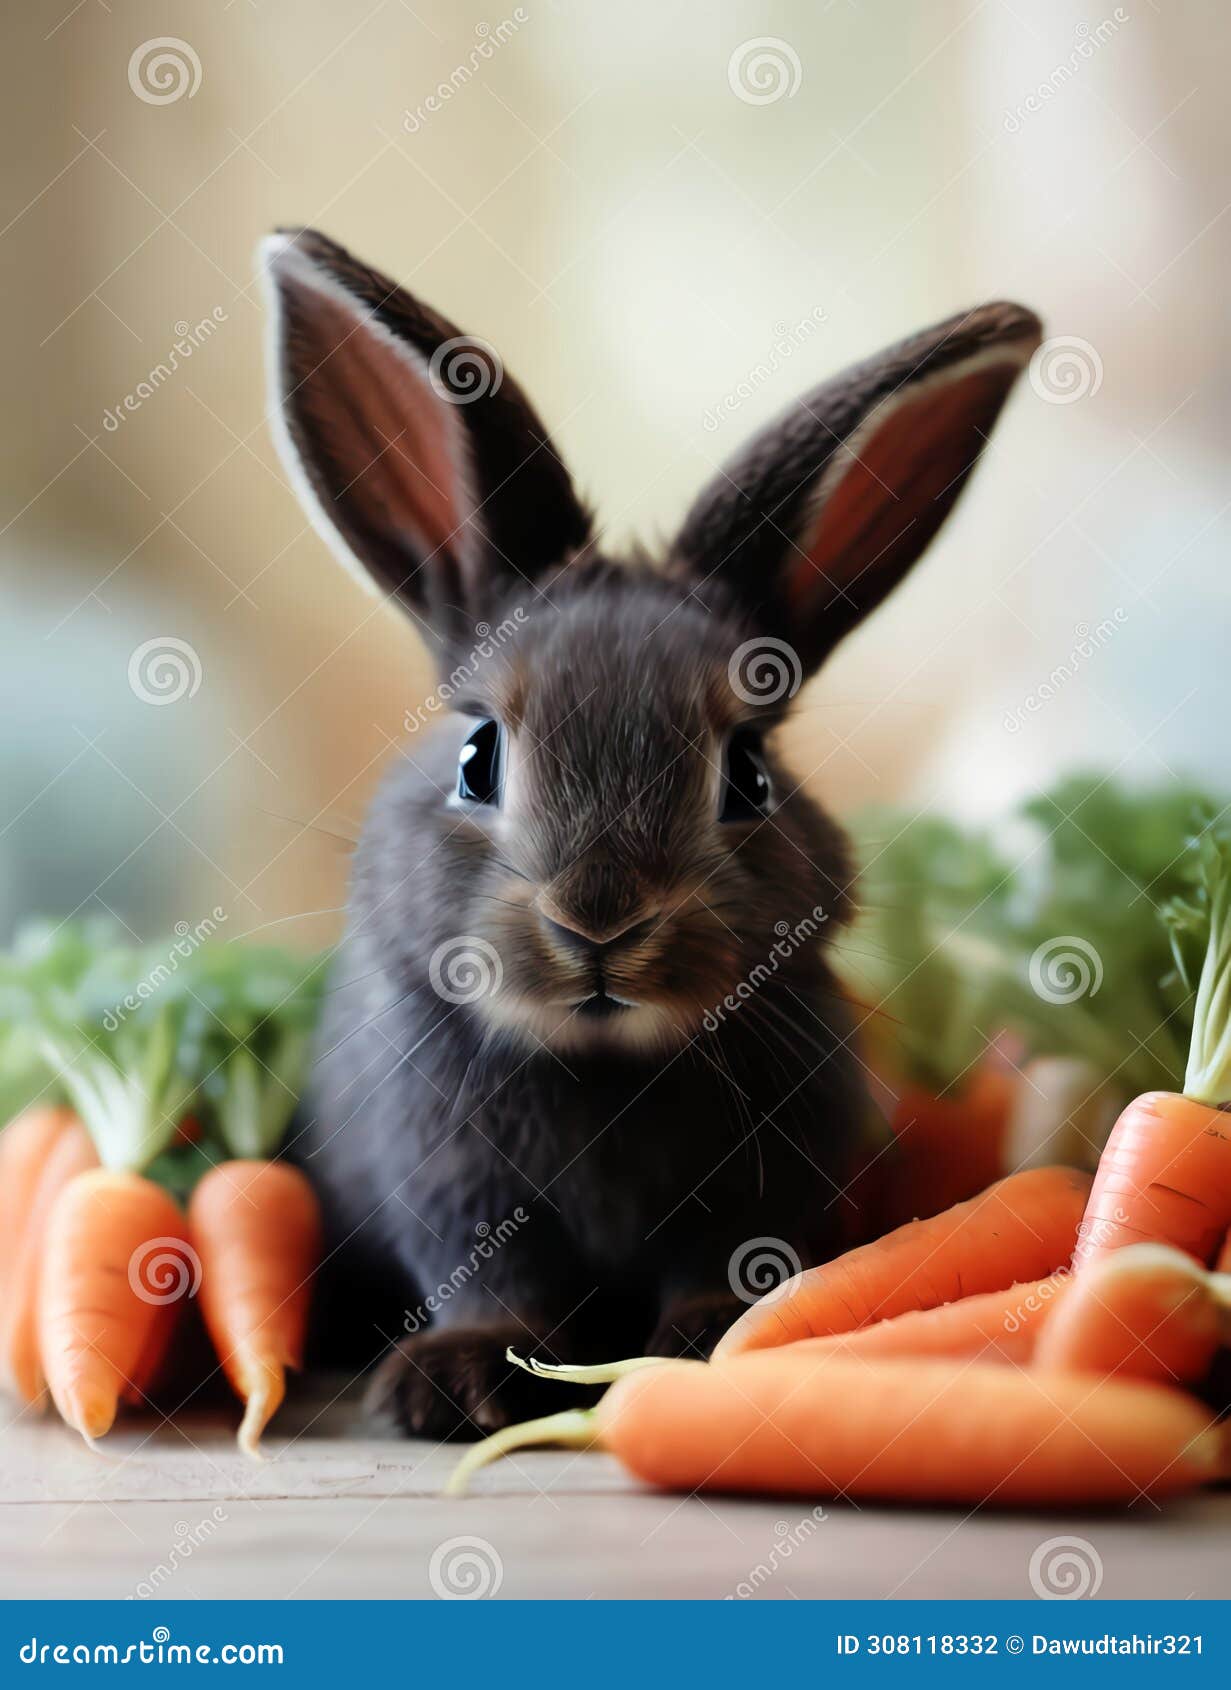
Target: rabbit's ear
{"points": [[416, 456], [829, 506]]}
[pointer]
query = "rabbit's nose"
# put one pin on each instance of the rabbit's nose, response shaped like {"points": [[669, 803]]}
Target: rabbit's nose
{"points": [[571, 933], [572, 939]]}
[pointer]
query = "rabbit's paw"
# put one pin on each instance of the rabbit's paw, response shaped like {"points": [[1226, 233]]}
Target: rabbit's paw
{"points": [[692, 1326], [459, 1383]]}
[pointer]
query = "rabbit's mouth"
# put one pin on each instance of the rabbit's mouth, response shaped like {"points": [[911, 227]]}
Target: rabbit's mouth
{"points": [[602, 1005], [602, 1021]]}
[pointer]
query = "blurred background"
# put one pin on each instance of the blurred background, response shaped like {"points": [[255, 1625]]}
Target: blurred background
{"points": [[669, 219]]}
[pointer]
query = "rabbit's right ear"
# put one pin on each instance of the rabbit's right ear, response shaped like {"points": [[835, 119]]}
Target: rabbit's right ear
{"points": [[416, 456], [826, 510]]}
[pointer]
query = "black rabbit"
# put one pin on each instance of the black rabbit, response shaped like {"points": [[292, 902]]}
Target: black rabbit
{"points": [[587, 1065]]}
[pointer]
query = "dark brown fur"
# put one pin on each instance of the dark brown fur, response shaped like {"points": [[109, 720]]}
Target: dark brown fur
{"points": [[625, 1165]]}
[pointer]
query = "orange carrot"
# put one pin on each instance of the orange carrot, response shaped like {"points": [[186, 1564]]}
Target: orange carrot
{"points": [[21, 1367], [108, 1231], [1164, 1178], [1223, 1262], [995, 1326], [910, 1430], [1148, 1311], [25, 1144], [163, 1328], [257, 1228], [947, 1148], [1019, 1229], [1165, 1174]]}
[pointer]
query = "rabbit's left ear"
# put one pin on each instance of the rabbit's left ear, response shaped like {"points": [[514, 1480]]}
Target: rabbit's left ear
{"points": [[827, 508], [414, 452]]}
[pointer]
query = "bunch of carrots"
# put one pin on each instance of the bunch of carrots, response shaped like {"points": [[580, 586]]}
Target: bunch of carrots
{"points": [[1024, 989], [1043, 1342], [935, 903], [146, 1180]]}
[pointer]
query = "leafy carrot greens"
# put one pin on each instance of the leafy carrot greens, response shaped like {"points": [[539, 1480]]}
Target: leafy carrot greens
{"points": [[137, 1037]]}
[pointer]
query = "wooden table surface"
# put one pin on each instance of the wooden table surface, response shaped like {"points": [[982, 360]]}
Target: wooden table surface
{"points": [[173, 1511]]}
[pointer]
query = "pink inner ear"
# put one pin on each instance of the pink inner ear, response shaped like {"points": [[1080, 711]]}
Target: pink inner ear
{"points": [[889, 497], [395, 443]]}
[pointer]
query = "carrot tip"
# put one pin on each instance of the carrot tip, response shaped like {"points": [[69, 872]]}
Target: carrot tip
{"points": [[90, 1440], [261, 1402], [93, 1418], [574, 1428]]}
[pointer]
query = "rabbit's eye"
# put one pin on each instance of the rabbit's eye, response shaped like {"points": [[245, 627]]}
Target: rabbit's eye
{"points": [[478, 765], [745, 786]]}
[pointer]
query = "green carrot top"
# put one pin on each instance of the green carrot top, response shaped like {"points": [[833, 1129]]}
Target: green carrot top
{"points": [[139, 1036], [1199, 926]]}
